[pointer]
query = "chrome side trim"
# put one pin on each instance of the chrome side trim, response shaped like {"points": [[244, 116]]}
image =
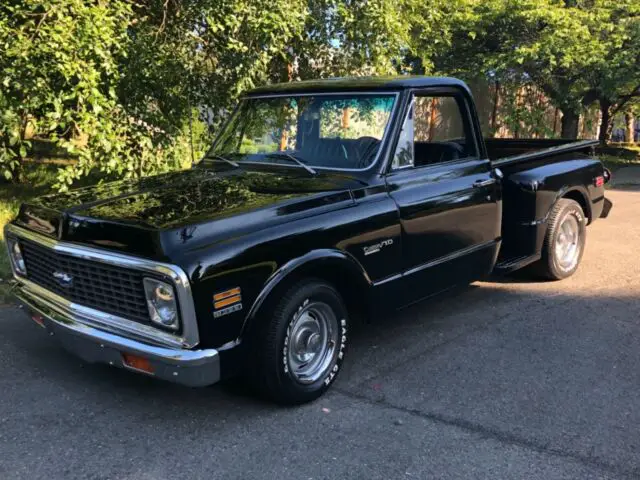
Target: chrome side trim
{"points": [[190, 335], [452, 256]]}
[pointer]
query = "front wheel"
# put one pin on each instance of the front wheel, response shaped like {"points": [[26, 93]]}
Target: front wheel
{"points": [[302, 345], [564, 241]]}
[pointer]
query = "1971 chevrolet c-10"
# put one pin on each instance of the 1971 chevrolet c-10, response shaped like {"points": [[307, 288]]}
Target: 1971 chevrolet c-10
{"points": [[319, 202]]}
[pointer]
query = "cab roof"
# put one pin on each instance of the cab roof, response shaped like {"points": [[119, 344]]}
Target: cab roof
{"points": [[355, 84]]}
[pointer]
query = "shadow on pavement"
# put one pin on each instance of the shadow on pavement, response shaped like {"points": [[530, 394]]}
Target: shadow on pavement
{"points": [[540, 370]]}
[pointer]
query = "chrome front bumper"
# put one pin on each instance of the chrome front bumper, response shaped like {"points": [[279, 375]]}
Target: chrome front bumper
{"points": [[193, 368]]}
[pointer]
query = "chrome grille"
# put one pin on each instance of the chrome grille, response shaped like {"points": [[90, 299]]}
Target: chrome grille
{"points": [[115, 290]]}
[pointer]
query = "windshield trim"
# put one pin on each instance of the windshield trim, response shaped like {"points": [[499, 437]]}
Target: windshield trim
{"points": [[383, 141]]}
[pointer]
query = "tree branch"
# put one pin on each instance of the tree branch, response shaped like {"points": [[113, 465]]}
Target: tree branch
{"points": [[165, 7], [624, 99], [39, 24]]}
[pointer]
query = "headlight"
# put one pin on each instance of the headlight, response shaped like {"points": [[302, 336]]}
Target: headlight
{"points": [[15, 254], [161, 300]]}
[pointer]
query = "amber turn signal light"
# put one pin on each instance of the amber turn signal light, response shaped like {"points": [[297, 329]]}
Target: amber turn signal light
{"points": [[226, 298], [38, 319], [227, 301], [137, 363], [226, 294]]}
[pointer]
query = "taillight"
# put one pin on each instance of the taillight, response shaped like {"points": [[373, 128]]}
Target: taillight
{"points": [[598, 181]]}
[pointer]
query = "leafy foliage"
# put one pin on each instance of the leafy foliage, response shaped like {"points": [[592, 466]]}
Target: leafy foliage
{"points": [[576, 51], [59, 71], [128, 87]]}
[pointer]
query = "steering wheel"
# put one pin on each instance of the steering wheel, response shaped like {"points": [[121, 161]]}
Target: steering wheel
{"points": [[366, 148]]}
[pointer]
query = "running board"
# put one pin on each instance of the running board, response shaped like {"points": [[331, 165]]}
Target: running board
{"points": [[512, 264]]}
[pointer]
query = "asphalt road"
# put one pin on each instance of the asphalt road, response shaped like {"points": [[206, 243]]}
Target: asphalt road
{"points": [[504, 379]]}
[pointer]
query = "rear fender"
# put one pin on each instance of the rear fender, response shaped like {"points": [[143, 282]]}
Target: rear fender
{"points": [[529, 202], [576, 193]]}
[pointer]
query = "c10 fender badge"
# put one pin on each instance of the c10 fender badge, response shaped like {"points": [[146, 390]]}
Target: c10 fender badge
{"points": [[226, 311], [377, 247]]}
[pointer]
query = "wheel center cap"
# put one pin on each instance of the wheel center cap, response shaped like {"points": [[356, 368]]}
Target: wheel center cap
{"points": [[313, 342]]}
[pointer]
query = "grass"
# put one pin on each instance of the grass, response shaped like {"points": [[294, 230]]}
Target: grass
{"points": [[615, 156]]}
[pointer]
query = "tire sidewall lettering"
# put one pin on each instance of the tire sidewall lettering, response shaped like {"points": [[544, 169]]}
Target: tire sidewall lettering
{"points": [[579, 216], [285, 349], [340, 356]]}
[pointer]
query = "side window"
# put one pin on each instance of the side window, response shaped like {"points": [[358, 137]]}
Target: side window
{"points": [[434, 132]]}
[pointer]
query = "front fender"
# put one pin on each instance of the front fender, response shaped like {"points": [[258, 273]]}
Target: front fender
{"points": [[312, 263]]}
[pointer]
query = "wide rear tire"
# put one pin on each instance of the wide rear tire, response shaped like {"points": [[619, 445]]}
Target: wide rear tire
{"points": [[564, 241]]}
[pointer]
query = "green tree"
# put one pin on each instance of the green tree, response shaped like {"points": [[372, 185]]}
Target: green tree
{"points": [[614, 77], [349, 37], [576, 51], [124, 85], [59, 72], [203, 53]]}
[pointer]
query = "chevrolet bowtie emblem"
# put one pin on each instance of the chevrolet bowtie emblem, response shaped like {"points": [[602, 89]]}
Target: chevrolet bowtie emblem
{"points": [[64, 279]]}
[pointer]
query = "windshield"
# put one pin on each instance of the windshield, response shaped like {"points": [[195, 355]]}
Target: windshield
{"points": [[330, 131]]}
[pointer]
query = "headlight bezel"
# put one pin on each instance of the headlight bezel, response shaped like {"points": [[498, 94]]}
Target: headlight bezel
{"points": [[19, 266], [154, 290]]}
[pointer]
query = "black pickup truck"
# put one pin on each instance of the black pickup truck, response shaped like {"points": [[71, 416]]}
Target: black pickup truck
{"points": [[319, 203]]}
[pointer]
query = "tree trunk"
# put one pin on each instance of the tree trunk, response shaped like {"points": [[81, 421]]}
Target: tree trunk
{"points": [[283, 140], [18, 171], [605, 122], [289, 72], [555, 121], [629, 122], [433, 118], [569, 124], [494, 111], [346, 114], [516, 125]]}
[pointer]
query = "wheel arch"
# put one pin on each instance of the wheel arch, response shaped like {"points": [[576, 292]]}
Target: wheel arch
{"points": [[579, 195], [576, 193], [336, 267]]}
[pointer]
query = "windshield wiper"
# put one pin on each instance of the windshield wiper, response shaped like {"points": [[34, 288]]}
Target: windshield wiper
{"points": [[288, 156], [223, 159]]}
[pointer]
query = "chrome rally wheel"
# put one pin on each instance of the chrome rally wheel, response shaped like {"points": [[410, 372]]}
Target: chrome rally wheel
{"points": [[567, 245], [312, 342]]}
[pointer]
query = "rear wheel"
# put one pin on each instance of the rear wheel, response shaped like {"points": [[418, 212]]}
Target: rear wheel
{"points": [[564, 241], [301, 346]]}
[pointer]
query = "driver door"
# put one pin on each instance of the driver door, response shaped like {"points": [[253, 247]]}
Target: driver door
{"points": [[447, 197]]}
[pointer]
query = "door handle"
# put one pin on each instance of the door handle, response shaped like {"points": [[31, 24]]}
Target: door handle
{"points": [[484, 183]]}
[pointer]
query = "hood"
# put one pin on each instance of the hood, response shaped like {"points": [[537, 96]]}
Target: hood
{"points": [[140, 216]]}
